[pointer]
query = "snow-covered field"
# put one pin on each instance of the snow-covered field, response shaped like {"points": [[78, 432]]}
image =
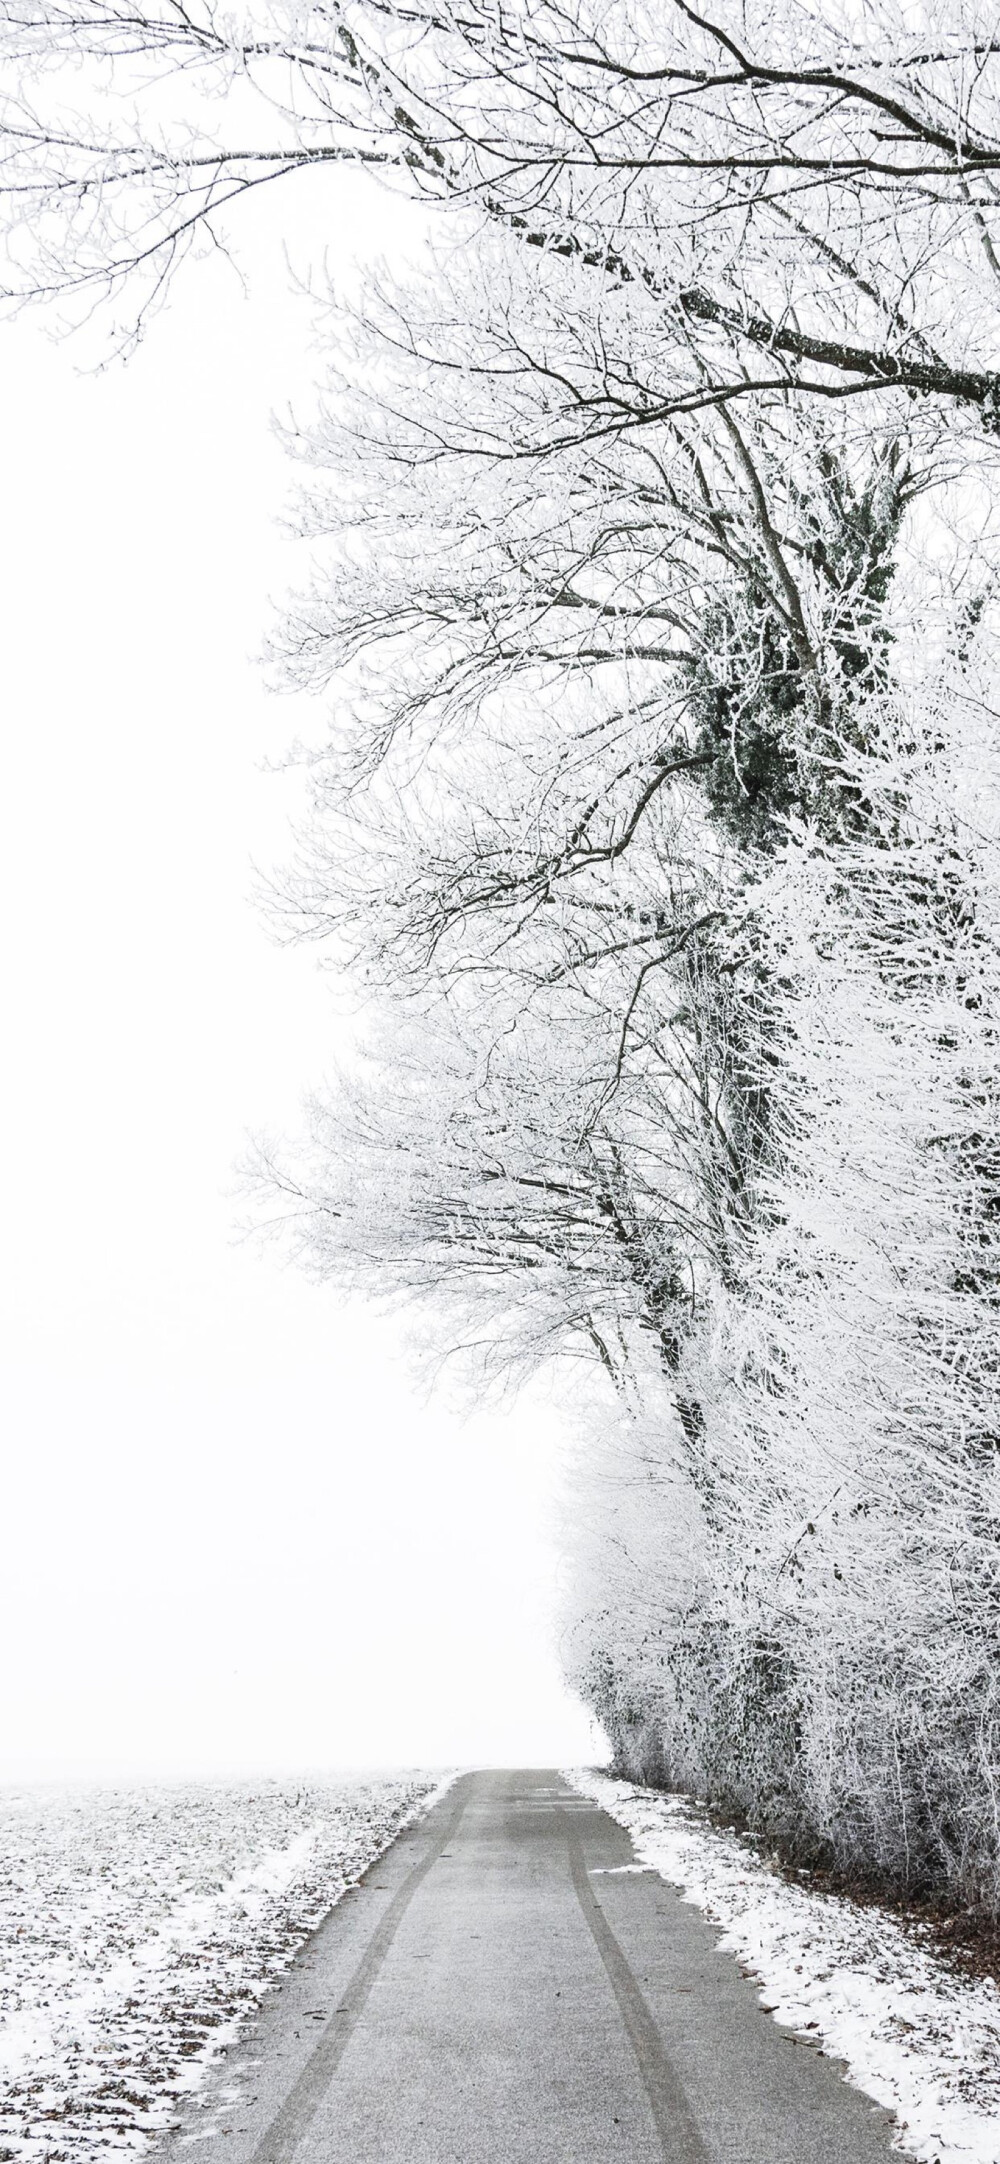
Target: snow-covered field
{"points": [[138, 1925], [919, 2039]]}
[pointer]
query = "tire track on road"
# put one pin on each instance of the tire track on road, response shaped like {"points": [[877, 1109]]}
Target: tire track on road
{"points": [[306, 2094], [679, 2137]]}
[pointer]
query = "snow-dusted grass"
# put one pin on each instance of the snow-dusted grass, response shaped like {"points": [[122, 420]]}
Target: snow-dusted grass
{"points": [[138, 1926], [920, 2040]]}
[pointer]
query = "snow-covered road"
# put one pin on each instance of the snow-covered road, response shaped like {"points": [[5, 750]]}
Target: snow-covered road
{"points": [[138, 1926]]}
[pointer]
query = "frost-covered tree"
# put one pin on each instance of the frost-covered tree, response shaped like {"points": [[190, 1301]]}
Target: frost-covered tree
{"points": [[648, 805]]}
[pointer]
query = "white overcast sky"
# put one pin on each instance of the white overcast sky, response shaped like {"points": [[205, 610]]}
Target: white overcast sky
{"points": [[235, 1534]]}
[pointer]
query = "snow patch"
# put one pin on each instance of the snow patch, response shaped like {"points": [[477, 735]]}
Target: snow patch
{"points": [[140, 1925]]}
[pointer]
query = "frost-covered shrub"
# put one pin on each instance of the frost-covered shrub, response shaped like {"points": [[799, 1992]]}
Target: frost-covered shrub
{"points": [[837, 1679]]}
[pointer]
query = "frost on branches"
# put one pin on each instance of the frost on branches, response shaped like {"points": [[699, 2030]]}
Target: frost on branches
{"points": [[655, 601]]}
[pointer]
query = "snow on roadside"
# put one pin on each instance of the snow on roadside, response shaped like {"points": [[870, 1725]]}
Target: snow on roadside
{"points": [[919, 2039], [138, 1927]]}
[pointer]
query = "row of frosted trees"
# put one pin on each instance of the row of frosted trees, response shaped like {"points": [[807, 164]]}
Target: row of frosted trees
{"points": [[654, 598]]}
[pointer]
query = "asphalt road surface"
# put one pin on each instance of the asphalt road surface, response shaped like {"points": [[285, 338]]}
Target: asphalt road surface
{"points": [[507, 1986]]}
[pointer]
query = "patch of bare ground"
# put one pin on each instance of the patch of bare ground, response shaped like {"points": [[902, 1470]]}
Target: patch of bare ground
{"points": [[967, 1940]]}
